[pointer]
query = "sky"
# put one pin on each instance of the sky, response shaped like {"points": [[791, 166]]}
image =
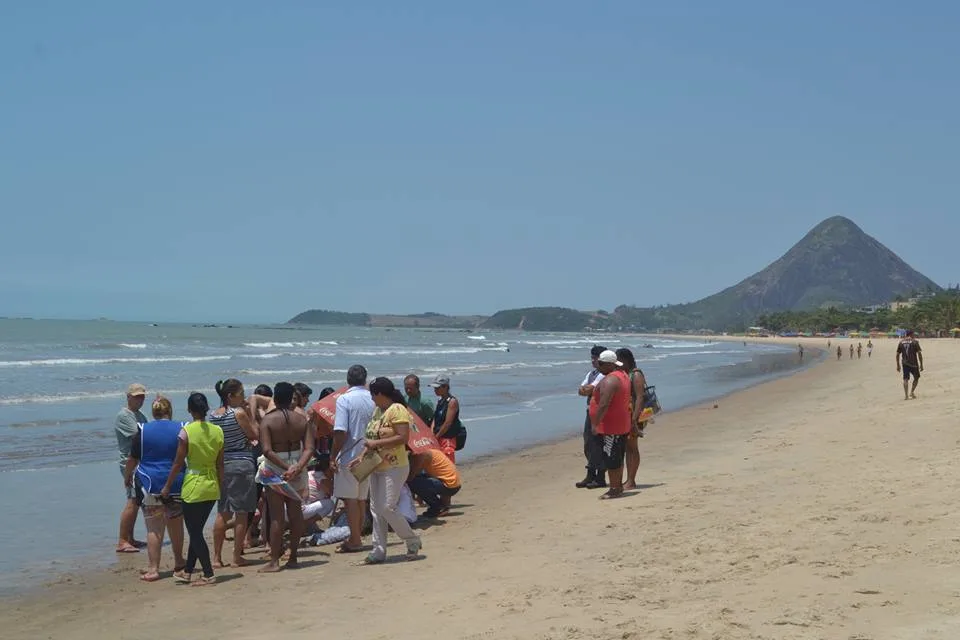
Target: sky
{"points": [[246, 160]]}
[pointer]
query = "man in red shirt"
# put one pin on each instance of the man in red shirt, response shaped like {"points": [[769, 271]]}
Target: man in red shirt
{"points": [[610, 419]]}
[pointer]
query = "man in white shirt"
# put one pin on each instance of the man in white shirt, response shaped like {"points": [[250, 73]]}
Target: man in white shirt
{"points": [[354, 410], [595, 470]]}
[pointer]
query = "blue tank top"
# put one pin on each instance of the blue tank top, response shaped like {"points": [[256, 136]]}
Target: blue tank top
{"points": [[158, 442]]}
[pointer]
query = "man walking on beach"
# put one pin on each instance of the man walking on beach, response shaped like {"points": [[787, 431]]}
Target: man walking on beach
{"points": [[591, 450], [908, 351], [415, 400], [610, 419], [127, 425], [354, 410]]}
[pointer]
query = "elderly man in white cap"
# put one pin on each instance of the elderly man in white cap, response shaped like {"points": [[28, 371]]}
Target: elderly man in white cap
{"points": [[127, 425]]}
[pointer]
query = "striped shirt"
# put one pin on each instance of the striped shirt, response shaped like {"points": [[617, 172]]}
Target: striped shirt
{"points": [[235, 443]]}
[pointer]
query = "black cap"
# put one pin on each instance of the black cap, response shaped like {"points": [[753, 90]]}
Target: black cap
{"points": [[596, 351]]}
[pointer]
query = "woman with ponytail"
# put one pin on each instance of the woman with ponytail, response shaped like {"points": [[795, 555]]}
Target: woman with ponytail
{"points": [[238, 495], [387, 434]]}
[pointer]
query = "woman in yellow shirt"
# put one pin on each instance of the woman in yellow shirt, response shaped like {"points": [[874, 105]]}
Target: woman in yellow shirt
{"points": [[387, 434], [201, 449]]}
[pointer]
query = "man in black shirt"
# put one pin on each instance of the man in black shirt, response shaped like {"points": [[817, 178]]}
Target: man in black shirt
{"points": [[911, 356]]}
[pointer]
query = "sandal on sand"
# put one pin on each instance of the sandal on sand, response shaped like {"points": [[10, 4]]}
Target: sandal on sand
{"points": [[127, 548], [182, 578], [150, 577], [611, 494], [371, 559], [204, 581], [345, 548], [413, 548]]}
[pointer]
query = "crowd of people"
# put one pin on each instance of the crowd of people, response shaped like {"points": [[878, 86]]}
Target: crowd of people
{"points": [[274, 468]]}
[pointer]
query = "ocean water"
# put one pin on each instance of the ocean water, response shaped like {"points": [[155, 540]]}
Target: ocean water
{"points": [[62, 383]]}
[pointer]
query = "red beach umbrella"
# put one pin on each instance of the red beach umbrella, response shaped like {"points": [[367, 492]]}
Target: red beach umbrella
{"points": [[323, 412]]}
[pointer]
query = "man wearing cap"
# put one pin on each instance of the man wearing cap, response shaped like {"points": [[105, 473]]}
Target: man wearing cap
{"points": [[610, 418], [591, 451], [127, 425], [446, 417]]}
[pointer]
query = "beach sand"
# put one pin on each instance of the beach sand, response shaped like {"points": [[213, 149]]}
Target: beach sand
{"points": [[814, 506]]}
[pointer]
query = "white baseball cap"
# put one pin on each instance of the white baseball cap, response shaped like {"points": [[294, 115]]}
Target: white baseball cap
{"points": [[609, 357]]}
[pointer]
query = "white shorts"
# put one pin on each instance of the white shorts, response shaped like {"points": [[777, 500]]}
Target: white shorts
{"points": [[346, 487]]}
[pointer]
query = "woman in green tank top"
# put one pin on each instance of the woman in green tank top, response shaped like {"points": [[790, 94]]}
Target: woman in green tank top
{"points": [[201, 448]]}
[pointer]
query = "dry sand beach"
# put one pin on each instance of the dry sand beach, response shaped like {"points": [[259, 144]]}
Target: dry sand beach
{"points": [[814, 506]]}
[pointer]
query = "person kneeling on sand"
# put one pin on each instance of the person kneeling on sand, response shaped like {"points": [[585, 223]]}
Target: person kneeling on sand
{"points": [[433, 479], [152, 452], [610, 419], [318, 504]]}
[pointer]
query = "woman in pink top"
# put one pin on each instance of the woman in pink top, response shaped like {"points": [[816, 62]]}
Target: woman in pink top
{"points": [[610, 419]]}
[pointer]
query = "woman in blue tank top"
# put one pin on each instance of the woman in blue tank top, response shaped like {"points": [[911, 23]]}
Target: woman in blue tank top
{"points": [[152, 453]]}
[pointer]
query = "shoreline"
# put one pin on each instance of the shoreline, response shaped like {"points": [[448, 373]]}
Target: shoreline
{"points": [[68, 580], [813, 505], [749, 373]]}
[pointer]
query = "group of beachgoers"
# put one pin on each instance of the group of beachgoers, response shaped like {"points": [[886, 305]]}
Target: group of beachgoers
{"points": [[274, 468], [619, 407]]}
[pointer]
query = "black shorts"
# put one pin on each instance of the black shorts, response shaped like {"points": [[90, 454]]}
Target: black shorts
{"points": [[613, 449], [911, 371]]}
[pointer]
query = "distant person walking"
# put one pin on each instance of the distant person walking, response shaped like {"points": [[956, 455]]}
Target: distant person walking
{"points": [[859, 350], [839, 352], [910, 360], [869, 348], [591, 451], [851, 351], [127, 425], [800, 351]]}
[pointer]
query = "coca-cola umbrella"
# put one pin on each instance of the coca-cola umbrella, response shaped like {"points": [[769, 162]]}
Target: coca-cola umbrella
{"points": [[323, 413]]}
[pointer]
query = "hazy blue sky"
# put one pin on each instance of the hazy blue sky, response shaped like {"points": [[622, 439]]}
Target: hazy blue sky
{"points": [[164, 160]]}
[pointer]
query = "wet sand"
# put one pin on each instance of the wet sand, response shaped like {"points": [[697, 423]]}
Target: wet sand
{"points": [[818, 505]]}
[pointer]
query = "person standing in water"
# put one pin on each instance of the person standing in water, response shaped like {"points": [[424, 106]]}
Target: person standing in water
{"points": [[238, 494], [800, 350], [200, 447], [288, 445]]}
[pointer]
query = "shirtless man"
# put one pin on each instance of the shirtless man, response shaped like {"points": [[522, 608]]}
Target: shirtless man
{"points": [[288, 446], [909, 352]]}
